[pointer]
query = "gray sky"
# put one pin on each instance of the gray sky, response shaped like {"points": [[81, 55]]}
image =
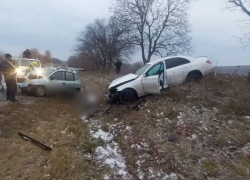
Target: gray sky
{"points": [[54, 25]]}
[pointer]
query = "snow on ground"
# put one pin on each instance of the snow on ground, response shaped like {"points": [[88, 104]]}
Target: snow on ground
{"points": [[110, 154]]}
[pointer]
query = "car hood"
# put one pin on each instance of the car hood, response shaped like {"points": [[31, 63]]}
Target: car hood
{"points": [[38, 81], [123, 80], [41, 81]]}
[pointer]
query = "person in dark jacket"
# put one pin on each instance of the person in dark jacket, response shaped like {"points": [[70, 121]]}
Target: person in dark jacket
{"points": [[118, 65], [26, 54], [8, 69]]}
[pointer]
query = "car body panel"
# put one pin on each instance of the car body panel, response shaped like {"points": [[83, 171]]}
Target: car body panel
{"points": [[123, 79]]}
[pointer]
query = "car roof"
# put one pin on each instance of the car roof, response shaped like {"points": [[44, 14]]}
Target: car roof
{"points": [[62, 69], [29, 59], [169, 57]]}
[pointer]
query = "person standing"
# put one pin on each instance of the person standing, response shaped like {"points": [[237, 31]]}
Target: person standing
{"points": [[27, 54], [8, 69], [118, 65]]}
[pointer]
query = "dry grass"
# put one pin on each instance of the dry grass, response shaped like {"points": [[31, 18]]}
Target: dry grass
{"points": [[50, 123], [238, 169], [213, 111], [209, 119]]}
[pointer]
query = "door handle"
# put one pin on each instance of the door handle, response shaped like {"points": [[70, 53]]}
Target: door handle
{"points": [[63, 83]]}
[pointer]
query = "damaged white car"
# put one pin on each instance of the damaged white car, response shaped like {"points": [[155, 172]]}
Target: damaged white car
{"points": [[157, 75]]}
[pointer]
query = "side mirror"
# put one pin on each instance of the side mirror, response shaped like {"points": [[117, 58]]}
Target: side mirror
{"points": [[144, 75], [51, 78]]}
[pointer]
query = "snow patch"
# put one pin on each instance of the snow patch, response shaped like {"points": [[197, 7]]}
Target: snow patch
{"points": [[103, 135], [110, 154]]}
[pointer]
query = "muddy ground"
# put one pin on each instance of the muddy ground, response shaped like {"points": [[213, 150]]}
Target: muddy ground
{"points": [[193, 131]]}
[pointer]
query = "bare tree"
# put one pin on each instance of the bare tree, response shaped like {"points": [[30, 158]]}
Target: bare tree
{"points": [[47, 56], [158, 27], [244, 6], [81, 61], [104, 41]]}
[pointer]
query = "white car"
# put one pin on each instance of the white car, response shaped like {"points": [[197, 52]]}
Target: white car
{"points": [[157, 75], [23, 63]]}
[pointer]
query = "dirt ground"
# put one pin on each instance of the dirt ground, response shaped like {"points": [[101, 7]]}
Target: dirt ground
{"points": [[193, 131]]}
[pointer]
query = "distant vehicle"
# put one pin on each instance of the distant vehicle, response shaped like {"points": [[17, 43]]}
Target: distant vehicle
{"points": [[23, 63], [54, 81], [157, 75]]}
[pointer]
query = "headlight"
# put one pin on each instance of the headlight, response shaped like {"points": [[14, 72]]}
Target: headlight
{"points": [[18, 70], [39, 72]]}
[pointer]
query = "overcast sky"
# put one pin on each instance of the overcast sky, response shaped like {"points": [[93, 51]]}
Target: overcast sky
{"points": [[54, 25]]}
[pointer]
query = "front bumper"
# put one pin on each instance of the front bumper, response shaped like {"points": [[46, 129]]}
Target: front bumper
{"points": [[113, 95], [25, 87]]}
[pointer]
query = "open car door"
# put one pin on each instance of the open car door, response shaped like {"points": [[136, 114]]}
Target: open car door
{"points": [[153, 81]]}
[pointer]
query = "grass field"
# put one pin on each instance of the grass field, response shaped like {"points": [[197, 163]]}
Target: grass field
{"points": [[211, 122]]}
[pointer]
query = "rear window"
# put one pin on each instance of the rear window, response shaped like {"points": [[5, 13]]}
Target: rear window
{"points": [[76, 77], [174, 62]]}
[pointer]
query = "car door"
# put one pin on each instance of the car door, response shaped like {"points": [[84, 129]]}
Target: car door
{"points": [[152, 79], [175, 70], [57, 82], [70, 80]]}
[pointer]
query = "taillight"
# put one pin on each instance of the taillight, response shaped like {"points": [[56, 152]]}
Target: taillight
{"points": [[208, 61]]}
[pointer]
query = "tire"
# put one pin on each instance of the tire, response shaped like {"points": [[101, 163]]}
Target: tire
{"points": [[77, 90], [127, 96], [39, 91], [23, 91], [194, 77]]}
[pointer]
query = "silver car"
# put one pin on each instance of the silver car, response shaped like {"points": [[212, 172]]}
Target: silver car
{"points": [[54, 81]]}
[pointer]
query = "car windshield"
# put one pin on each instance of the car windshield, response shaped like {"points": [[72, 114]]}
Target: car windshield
{"points": [[27, 62], [142, 69], [48, 71]]}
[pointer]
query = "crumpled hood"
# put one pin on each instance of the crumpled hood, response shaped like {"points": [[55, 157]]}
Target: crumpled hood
{"points": [[38, 81], [33, 81], [123, 79]]}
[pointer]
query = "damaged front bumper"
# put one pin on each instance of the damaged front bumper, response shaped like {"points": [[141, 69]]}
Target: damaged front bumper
{"points": [[113, 94], [25, 87]]}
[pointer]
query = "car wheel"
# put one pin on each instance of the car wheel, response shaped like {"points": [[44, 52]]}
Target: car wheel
{"points": [[77, 89], [127, 96], [23, 91], [194, 76], [39, 91]]}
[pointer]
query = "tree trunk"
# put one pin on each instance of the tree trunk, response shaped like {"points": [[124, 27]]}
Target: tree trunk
{"points": [[248, 77]]}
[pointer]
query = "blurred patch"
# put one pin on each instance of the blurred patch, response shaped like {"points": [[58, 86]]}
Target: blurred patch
{"points": [[86, 102]]}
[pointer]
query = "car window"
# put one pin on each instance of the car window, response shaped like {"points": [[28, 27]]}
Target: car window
{"points": [[76, 77], [142, 69], [59, 76], [48, 72], [155, 70], [174, 62], [69, 76]]}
